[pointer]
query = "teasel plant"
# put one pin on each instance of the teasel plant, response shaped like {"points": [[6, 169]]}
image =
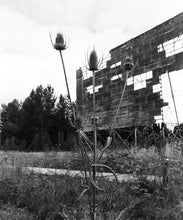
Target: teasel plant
{"points": [[95, 162], [91, 186], [93, 65], [92, 161], [60, 44]]}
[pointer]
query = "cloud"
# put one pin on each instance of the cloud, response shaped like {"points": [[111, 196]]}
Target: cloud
{"points": [[98, 15], [27, 56], [52, 12]]}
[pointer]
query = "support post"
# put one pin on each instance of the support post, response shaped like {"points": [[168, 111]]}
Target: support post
{"points": [[171, 88]]}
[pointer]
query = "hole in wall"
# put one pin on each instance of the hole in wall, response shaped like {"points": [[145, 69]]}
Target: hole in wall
{"points": [[116, 77], [172, 46], [156, 88], [115, 65], [89, 89], [139, 81]]}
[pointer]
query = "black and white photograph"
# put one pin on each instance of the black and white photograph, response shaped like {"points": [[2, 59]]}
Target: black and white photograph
{"points": [[91, 110]]}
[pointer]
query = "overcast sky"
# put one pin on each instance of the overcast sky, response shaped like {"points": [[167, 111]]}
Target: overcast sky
{"points": [[27, 58]]}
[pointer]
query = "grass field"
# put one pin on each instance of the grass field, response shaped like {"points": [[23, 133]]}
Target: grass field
{"points": [[16, 158], [37, 196]]}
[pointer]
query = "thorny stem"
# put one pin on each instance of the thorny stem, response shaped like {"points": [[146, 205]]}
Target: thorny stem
{"points": [[94, 149], [67, 83], [84, 165]]}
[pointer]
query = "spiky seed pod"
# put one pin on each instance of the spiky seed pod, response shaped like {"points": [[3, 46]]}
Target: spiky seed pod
{"points": [[60, 42], [128, 66], [93, 62]]}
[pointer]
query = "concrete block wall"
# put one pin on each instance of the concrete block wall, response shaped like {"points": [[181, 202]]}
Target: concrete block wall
{"points": [[153, 52]]}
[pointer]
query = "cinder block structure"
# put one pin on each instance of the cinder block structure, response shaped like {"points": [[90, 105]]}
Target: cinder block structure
{"points": [[153, 53]]}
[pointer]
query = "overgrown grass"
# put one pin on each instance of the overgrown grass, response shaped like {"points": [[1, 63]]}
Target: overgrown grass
{"points": [[10, 212], [44, 196], [39, 159], [41, 195], [121, 160]]}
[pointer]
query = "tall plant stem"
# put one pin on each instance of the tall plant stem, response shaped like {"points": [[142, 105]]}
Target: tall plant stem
{"points": [[85, 172], [69, 96], [94, 148]]}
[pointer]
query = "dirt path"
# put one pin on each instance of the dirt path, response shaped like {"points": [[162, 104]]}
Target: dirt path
{"points": [[74, 173]]}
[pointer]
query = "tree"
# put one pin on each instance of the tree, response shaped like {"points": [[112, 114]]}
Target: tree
{"points": [[37, 112], [61, 123], [10, 126], [10, 112], [37, 121]]}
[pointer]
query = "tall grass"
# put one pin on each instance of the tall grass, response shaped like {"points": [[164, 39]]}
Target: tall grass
{"points": [[10, 212], [44, 196], [42, 159], [47, 195]]}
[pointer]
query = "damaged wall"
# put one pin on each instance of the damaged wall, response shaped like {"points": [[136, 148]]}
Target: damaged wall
{"points": [[154, 53]]}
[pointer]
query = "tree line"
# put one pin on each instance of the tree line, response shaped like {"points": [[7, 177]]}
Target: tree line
{"points": [[39, 122]]}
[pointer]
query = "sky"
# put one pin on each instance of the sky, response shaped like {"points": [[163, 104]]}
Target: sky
{"points": [[27, 58]]}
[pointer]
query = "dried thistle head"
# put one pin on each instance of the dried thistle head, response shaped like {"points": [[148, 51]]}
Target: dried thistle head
{"points": [[61, 42], [93, 61], [128, 66]]}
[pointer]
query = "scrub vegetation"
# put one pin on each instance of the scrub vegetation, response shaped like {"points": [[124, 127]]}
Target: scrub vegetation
{"points": [[37, 196]]}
